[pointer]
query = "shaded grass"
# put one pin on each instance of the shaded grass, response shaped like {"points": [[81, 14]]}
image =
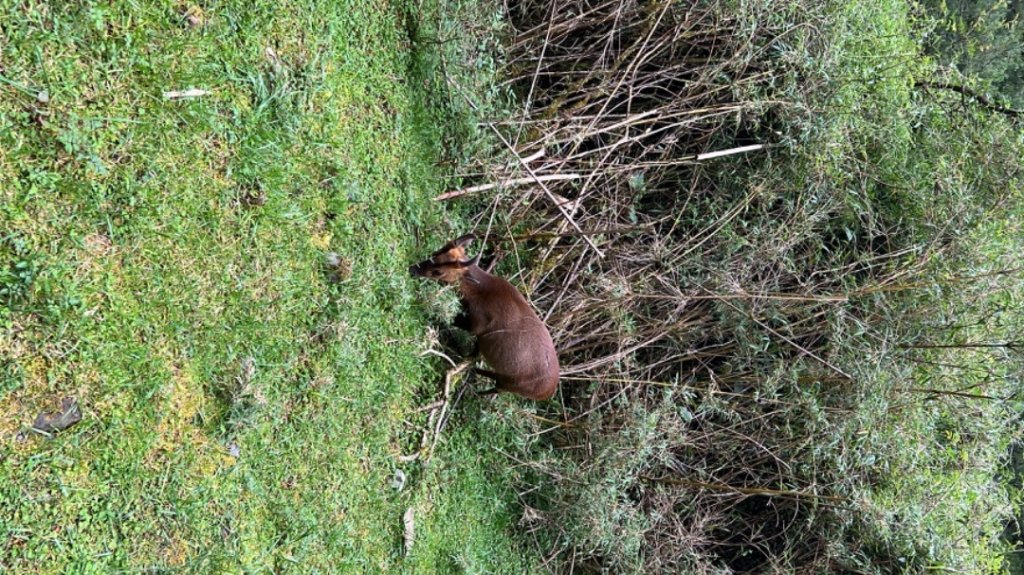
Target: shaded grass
{"points": [[163, 263]]}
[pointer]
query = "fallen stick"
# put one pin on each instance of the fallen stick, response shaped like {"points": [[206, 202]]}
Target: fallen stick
{"points": [[182, 94], [729, 152]]}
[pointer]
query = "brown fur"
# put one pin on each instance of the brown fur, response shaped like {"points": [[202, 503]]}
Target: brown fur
{"points": [[511, 336]]}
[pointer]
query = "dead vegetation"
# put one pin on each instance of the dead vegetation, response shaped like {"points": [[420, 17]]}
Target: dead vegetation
{"points": [[725, 305]]}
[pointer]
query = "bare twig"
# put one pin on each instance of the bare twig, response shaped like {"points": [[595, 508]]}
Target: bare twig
{"points": [[730, 152], [803, 349], [509, 183], [745, 490], [529, 170]]}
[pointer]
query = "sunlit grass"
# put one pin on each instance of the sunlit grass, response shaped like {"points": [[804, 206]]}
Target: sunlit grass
{"points": [[244, 408]]}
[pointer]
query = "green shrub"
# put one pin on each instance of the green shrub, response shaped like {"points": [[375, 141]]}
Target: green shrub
{"points": [[785, 360], [981, 39]]}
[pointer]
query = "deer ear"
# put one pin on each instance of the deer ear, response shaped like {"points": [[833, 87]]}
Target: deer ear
{"points": [[472, 262], [463, 241], [459, 242]]}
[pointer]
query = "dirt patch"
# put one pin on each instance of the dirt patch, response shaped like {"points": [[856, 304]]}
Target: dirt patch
{"points": [[182, 402], [97, 254]]}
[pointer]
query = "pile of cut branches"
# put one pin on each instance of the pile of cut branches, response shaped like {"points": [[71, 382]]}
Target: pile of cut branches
{"points": [[709, 313]]}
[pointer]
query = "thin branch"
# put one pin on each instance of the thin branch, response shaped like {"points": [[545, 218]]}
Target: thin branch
{"points": [[745, 490], [969, 93], [1006, 345], [953, 393], [729, 152], [508, 183], [806, 351]]}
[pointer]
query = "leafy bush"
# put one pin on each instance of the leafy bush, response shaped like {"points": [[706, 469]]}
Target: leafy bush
{"points": [[981, 39], [791, 359]]}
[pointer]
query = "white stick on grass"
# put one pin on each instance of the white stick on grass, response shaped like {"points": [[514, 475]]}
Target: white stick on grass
{"points": [[182, 94]]}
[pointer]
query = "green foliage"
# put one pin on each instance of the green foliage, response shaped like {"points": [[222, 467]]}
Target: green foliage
{"points": [[923, 201], [799, 359], [19, 271], [162, 261], [981, 39]]}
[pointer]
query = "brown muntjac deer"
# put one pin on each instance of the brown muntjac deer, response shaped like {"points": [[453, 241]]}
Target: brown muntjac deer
{"points": [[511, 337]]}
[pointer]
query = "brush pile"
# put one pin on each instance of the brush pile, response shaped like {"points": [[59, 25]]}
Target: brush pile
{"points": [[708, 287]]}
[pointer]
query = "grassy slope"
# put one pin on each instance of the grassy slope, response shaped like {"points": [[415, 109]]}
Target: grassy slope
{"points": [[162, 262]]}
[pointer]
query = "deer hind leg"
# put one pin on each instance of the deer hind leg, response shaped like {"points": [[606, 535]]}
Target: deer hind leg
{"points": [[501, 382]]}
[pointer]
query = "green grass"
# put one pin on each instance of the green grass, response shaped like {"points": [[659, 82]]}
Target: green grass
{"points": [[162, 261]]}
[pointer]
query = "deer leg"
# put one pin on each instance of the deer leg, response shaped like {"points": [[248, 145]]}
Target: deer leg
{"points": [[492, 375], [461, 320], [488, 373]]}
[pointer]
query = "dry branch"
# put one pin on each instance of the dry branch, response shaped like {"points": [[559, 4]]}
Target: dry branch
{"points": [[510, 183]]}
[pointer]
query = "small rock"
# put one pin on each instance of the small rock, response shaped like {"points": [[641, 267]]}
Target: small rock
{"points": [[53, 421], [340, 267], [398, 481], [234, 450], [194, 16], [43, 97]]}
